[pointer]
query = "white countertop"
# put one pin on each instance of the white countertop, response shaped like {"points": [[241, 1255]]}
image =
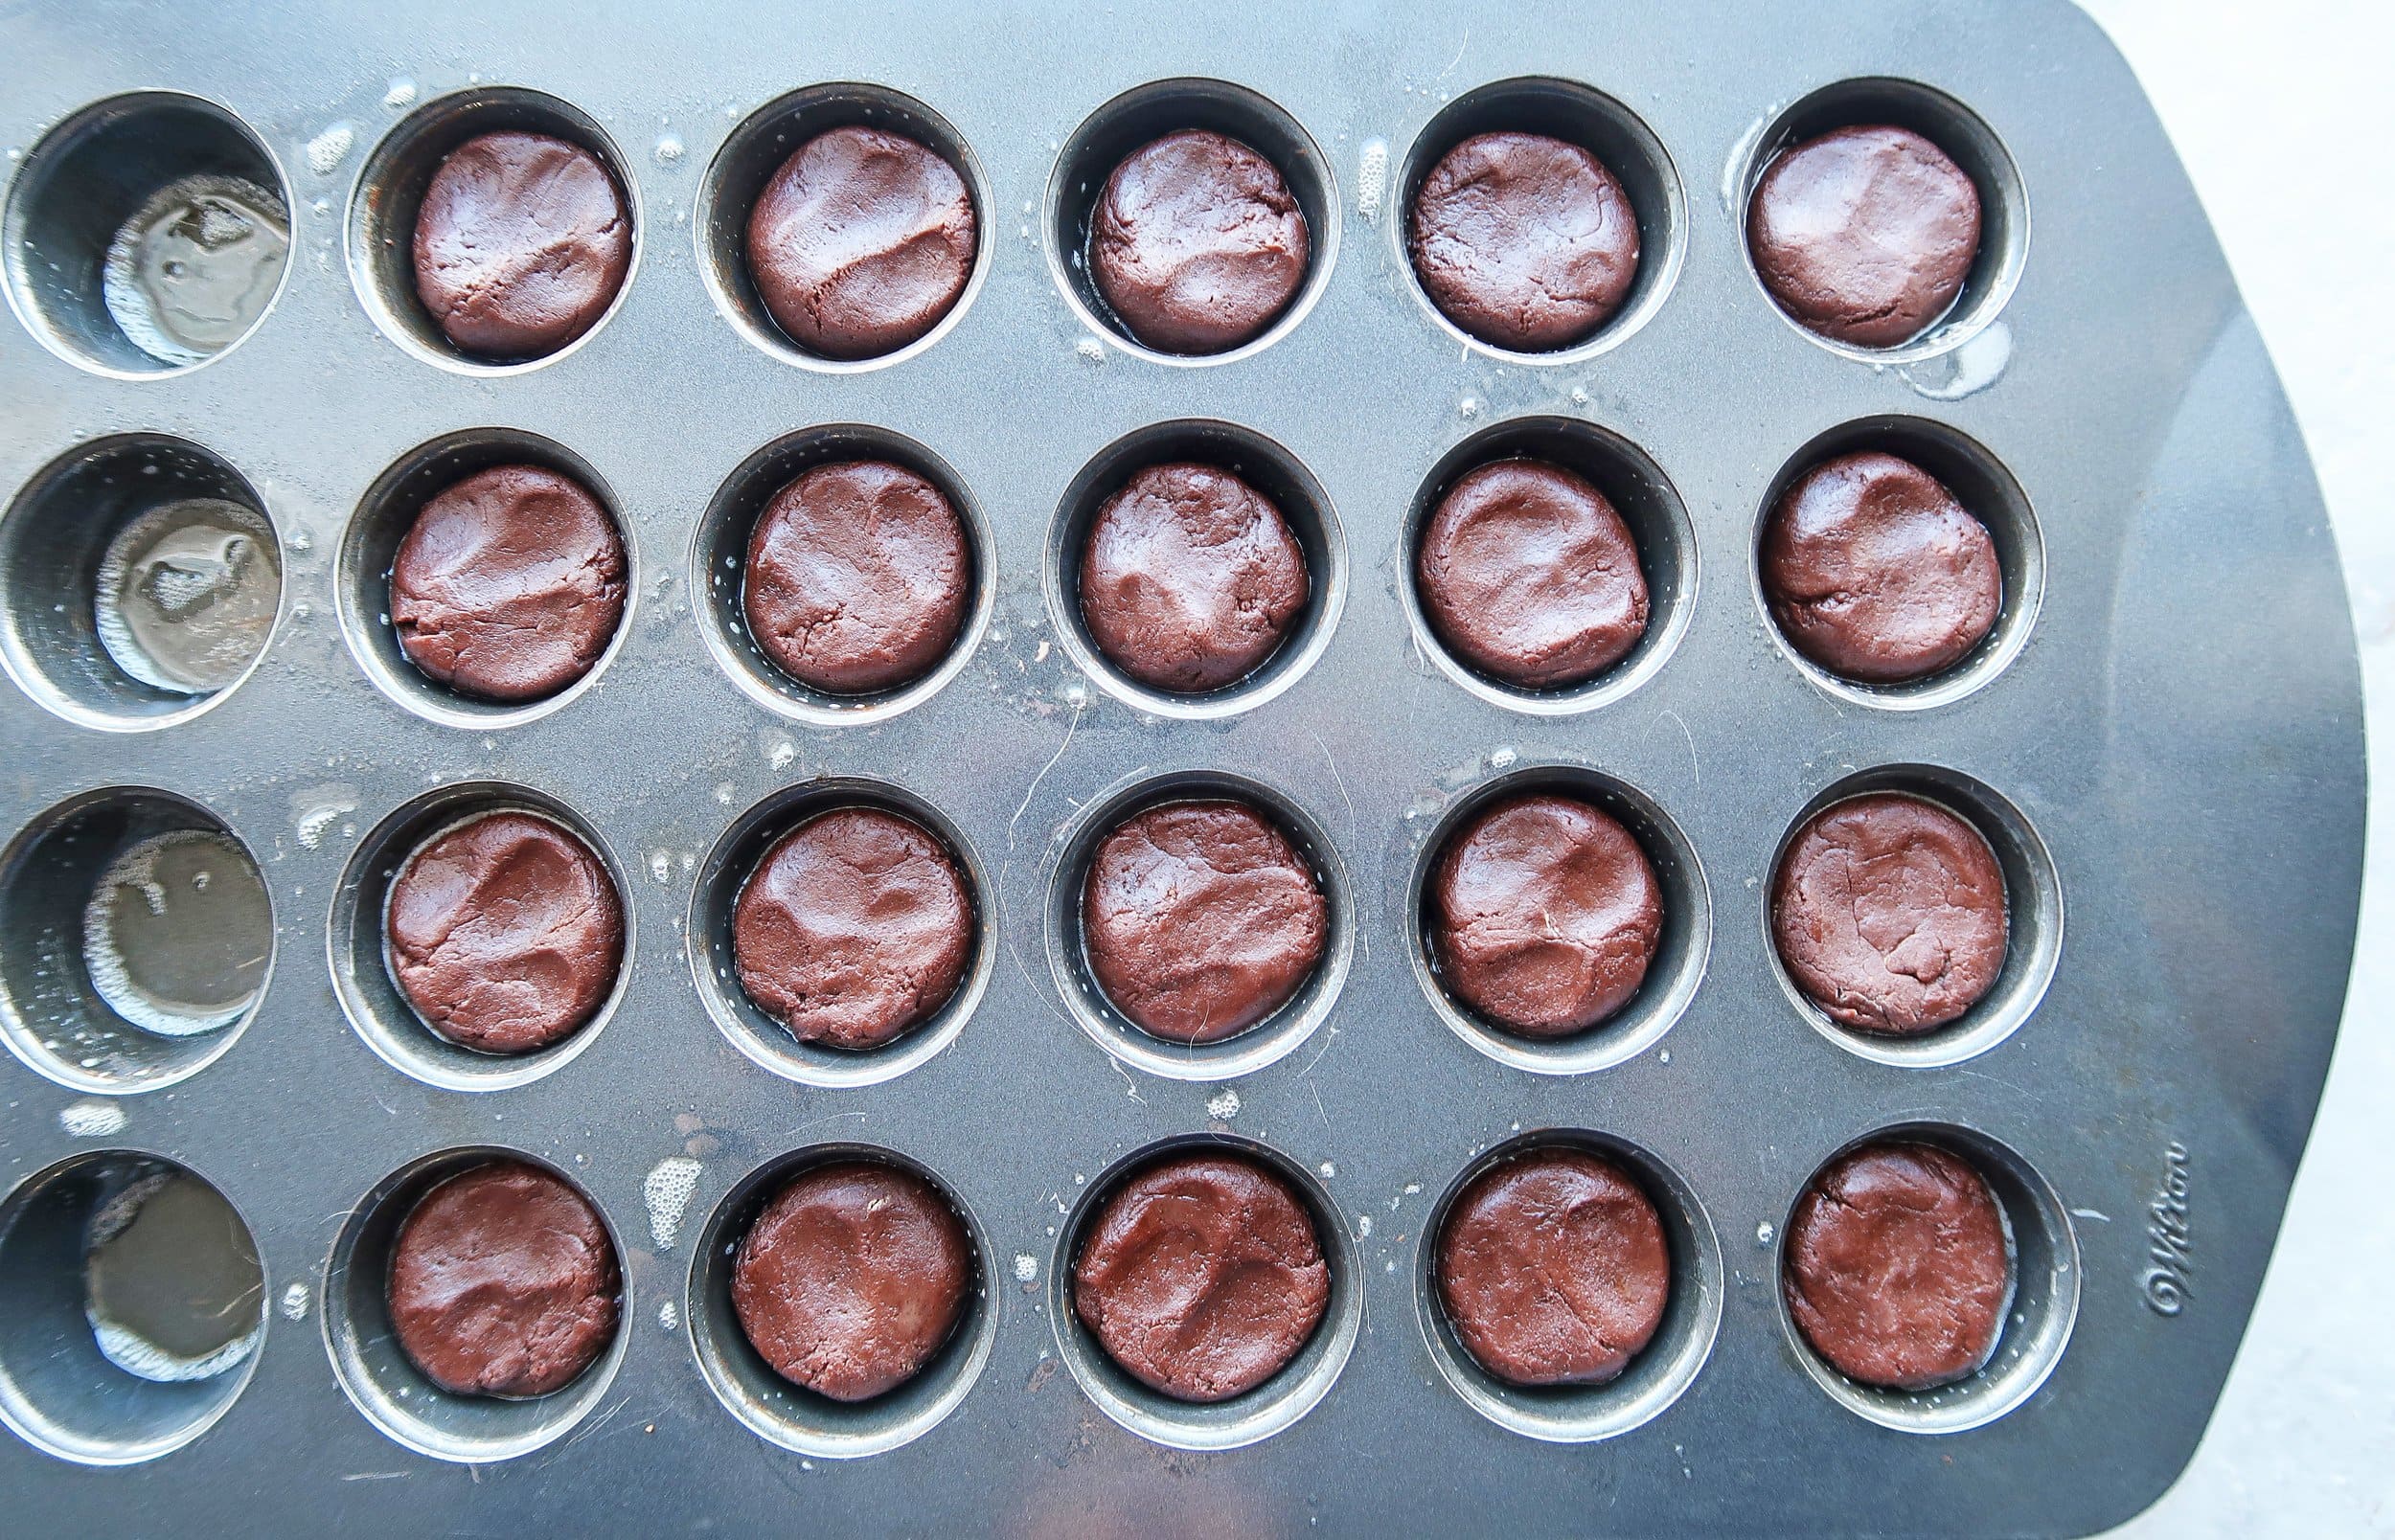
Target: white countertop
{"points": [[2282, 113]]}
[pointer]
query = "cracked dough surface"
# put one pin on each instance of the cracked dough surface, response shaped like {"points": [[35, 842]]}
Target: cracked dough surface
{"points": [[503, 1282], [508, 586], [1865, 234], [1890, 913], [854, 928], [1526, 242], [1545, 915], [861, 242], [1875, 572], [857, 577], [1203, 1277], [1197, 243], [1200, 919], [852, 1278], [1553, 1269], [506, 933], [1190, 579], [1529, 576], [1897, 1267], [521, 244]]}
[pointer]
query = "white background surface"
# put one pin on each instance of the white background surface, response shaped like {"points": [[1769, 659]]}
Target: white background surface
{"points": [[2283, 112]]}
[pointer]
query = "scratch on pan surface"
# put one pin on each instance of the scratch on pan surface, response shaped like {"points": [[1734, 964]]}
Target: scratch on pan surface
{"points": [[1014, 943], [1337, 780], [1070, 728], [1695, 771], [595, 1425]]}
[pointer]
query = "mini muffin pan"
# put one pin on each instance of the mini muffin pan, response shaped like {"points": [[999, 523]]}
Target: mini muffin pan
{"points": [[2162, 740]]}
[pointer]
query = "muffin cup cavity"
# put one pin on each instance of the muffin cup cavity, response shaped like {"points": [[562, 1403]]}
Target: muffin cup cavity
{"points": [[358, 942], [1268, 1040], [59, 1390], [1257, 1413], [1681, 950], [757, 148], [1987, 491], [82, 227], [1966, 139], [1600, 125], [371, 544], [1273, 472], [72, 544], [719, 570], [1146, 113], [2036, 1320], [2033, 899], [790, 1416], [1660, 1371], [727, 870], [1648, 503], [376, 1375], [390, 190], [77, 1009]]}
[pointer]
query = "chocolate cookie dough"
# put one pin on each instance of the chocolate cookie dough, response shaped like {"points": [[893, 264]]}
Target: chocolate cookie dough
{"points": [[852, 1278], [1890, 914], [508, 586], [858, 577], [503, 1282], [1190, 579], [1876, 572], [1553, 1270], [1525, 241], [1545, 914], [1200, 919], [1897, 1269], [521, 244], [854, 928], [1201, 1277], [1865, 234], [861, 242], [1530, 577], [1197, 243], [506, 934]]}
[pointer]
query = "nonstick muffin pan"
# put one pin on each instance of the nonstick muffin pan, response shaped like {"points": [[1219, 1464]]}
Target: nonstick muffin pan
{"points": [[2161, 740]]}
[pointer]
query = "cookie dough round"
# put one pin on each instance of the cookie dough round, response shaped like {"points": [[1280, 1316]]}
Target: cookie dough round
{"points": [[504, 1282], [1530, 577], [854, 928], [858, 577], [1890, 914], [1524, 240], [505, 933], [508, 586], [1201, 1277], [1865, 234], [521, 242], [1189, 577], [1553, 1269], [1899, 1269], [1545, 914], [852, 1278], [1875, 572], [1200, 919], [1197, 243], [861, 242]]}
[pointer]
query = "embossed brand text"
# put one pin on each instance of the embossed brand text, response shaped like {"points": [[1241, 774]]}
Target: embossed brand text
{"points": [[2170, 1244]]}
